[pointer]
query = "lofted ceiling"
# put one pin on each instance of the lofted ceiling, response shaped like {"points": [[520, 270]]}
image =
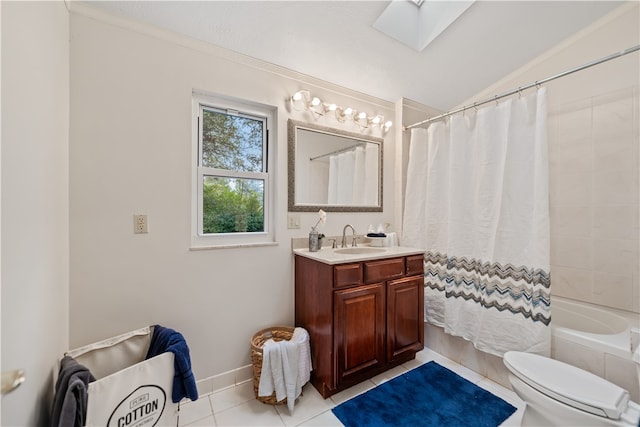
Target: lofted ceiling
{"points": [[335, 40]]}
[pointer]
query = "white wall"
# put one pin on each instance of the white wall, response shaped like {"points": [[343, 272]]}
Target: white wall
{"points": [[130, 152], [35, 216], [594, 157]]}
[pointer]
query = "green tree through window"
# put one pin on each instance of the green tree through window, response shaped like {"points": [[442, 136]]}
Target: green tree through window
{"points": [[233, 183], [232, 142]]}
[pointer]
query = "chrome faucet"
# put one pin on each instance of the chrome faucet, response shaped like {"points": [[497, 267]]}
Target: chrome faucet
{"points": [[344, 236]]}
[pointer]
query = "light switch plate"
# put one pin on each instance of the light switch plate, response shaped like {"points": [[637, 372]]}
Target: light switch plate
{"points": [[293, 221]]}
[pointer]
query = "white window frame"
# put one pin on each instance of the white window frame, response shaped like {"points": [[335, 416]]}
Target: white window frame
{"points": [[199, 240]]}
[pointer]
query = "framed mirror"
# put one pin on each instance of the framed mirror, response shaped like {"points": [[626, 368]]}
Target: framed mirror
{"points": [[333, 170]]}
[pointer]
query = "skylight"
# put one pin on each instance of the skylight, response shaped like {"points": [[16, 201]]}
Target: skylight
{"points": [[417, 27]]}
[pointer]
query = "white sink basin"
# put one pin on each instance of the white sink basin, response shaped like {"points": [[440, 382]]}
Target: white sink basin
{"points": [[358, 250]]}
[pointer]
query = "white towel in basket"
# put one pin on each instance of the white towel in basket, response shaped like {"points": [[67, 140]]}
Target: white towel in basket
{"points": [[286, 367]]}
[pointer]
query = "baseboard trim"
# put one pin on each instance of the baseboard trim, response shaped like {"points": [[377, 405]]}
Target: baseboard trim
{"points": [[225, 380]]}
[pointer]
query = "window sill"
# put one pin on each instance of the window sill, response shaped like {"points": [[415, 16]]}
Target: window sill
{"points": [[232, 246]]}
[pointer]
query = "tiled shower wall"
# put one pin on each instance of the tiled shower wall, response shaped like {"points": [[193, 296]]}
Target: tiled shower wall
{"points": [[594, 190]]}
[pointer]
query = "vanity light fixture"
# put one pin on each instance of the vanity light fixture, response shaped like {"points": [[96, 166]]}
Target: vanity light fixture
{"points": [[361, 119], [340, 115], [316, 106], [303, 101], [300, 100]]}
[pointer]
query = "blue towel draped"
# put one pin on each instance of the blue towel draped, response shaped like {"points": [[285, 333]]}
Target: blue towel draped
{"points": [[166, 339]]}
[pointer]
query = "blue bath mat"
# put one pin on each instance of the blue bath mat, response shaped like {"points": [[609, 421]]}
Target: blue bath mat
{"points": [[429, 395]]}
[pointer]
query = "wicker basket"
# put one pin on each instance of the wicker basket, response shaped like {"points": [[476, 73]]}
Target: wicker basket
{"points": [[277, 333]]}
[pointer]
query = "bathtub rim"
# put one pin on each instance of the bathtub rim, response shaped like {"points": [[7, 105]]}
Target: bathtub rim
{"points": [[621, 344]]}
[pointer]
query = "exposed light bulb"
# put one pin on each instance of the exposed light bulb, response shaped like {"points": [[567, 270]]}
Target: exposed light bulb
{"points": [[303, 101], [300, 100], [316, 106], [361, 119]]}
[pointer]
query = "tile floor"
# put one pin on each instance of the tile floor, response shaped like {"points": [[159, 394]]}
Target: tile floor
{"points": [[237, 406]]}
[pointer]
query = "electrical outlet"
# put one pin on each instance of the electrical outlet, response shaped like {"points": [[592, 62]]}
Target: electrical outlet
{"points": [[293, 221], [140, 224]]}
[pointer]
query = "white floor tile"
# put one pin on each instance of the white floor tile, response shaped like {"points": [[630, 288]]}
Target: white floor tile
{"points": [[351, 392], [251, 413], [191, 412], [233, 396], [387, 375], [205, 422], [412, 364], [308, 405], [326, 419], [428, 355]]}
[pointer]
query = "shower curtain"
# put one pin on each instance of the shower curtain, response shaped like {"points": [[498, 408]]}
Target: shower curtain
{"points": [[477, 200], [349, 183]]}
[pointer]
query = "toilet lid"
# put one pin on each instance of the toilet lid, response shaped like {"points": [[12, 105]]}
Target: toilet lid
{"points": [[568, 384]]}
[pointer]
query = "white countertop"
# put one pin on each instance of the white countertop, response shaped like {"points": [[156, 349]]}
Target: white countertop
{"points": [[328, 255]]}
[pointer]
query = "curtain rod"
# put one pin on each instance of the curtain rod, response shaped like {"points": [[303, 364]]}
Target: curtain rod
{"points": [[530, 85], [342, 150]]}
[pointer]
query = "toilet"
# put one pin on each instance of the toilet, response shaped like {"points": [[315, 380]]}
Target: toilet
{"points": [[558, 394]]}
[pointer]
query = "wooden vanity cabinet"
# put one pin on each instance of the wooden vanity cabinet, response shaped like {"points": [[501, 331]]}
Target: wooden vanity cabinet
{"points": [[362, 317], [405, 318], [358, 331]]}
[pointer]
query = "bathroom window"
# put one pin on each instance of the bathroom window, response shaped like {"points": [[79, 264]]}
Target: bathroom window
{"points": [[232, 184]]}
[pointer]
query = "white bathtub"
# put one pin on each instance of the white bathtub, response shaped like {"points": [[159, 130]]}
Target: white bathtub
{"points": [[592, 327], [596, 339]]}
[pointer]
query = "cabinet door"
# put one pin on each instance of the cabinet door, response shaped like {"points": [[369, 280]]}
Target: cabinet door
{"points": [[405, 317], [359, 331]]}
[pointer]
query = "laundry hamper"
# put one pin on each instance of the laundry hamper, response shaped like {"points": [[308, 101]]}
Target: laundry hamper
{"points": [[129, 390], [277, 333]]}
